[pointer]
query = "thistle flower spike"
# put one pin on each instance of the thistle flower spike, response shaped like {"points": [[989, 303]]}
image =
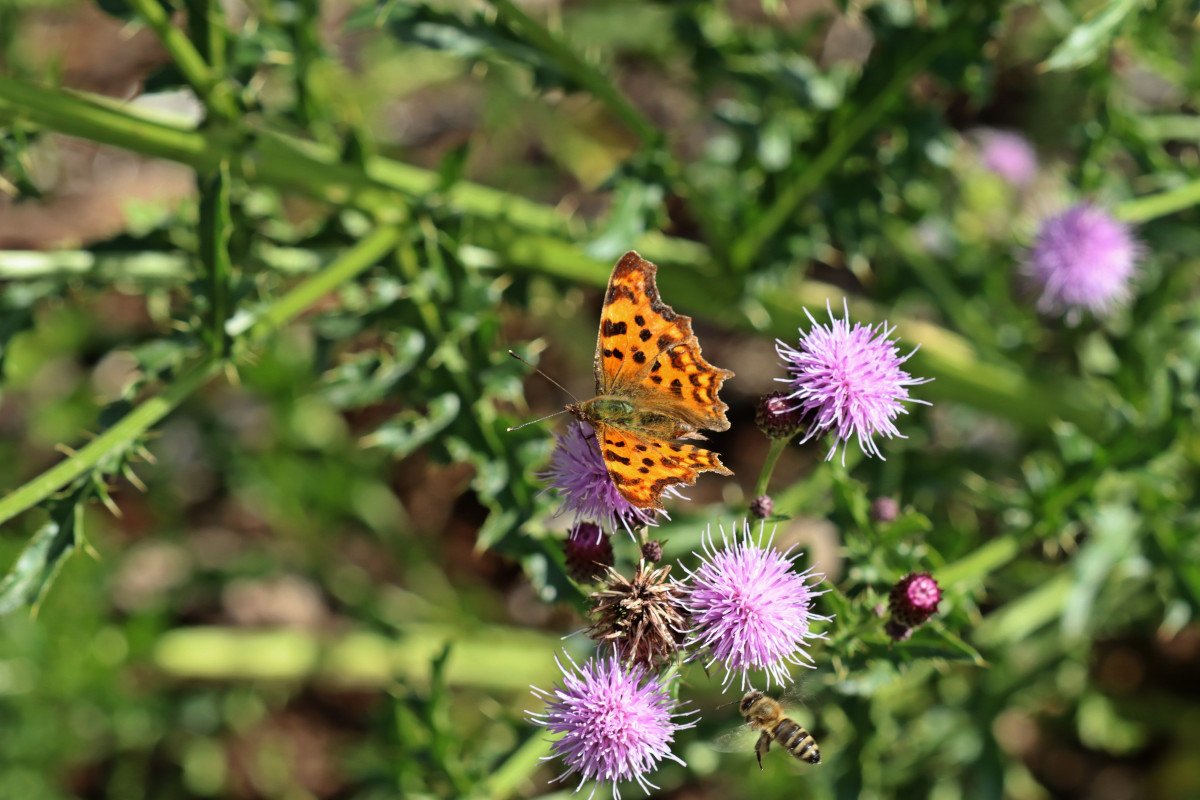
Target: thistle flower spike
{"points": [[617, 722], [749, 609], [848, 380]]}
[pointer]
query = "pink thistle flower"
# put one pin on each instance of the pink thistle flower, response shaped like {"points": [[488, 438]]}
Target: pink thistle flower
{"points": [[849, 381], [577, 472], [617, 722], [1083, 259], [749, 610], [1009, 155]]}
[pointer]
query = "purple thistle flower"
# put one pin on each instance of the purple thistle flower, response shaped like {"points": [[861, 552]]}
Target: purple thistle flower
{"points": [[617, 722], [848, 380], [1009, 155], [577, 472], [1083, 259], [749, 609]]}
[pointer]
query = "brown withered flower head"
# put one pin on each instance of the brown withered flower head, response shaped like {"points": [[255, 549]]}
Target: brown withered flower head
{"points": [[641, 617]]}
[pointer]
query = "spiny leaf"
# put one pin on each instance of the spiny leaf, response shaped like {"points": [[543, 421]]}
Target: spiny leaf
{"points": [[1085, 42], [30, 578]]}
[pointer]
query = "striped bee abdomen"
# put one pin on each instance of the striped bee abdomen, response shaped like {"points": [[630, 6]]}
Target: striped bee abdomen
{"points": [[797, 741]]}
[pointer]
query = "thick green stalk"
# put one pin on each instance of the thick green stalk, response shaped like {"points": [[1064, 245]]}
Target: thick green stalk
{"points": [[141, 419], [217, 95], [492, 657], [981, 562], [215, 227], [364, 254], [1144, 209], [1020, 618], [506, 779]]}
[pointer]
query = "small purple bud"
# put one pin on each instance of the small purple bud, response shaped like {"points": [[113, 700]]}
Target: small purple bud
{"points": [[652, 551], [588, 551], [914, 599], [1009, 155], [776, 417], [885, 509], [762, 506]]}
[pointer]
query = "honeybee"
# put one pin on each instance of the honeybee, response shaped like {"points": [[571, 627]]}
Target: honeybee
{"points": [[765, 714]]}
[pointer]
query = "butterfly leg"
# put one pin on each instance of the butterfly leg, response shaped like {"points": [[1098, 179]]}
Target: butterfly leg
{"points": [[763, 745]]}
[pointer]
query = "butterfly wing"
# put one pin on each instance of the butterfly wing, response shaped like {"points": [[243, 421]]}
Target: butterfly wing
{"points": [[646, 351], [643, 467]]}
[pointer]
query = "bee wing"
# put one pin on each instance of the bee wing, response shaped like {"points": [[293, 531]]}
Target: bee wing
{"points": [[738, 739]]}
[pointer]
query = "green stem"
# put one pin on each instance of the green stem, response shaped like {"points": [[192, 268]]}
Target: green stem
{"points": [[773, 454], [364, 254], [141, 419], [1144, 209], [217, 95], [1020, 618], [116, 438], [506, 779], [747, 247], [981, 562], [214, 230], [491, 658]]}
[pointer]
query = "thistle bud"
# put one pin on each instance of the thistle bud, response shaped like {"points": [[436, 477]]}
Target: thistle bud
{"points": [[762, 506], [588, 552], [652, 551], [776, 418], [914, 599], [885, 509]]}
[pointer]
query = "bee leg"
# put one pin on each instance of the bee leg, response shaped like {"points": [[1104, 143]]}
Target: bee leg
{"points": [[763, 745]]}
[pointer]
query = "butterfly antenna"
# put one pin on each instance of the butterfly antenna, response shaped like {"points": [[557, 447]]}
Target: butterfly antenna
{"points": [[547, 377], [534, 421]]}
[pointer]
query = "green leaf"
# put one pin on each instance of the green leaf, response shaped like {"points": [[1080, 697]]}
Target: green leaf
{"points": [[1113, 533], [30, 578], [410, 429], [635, 208], [1085, 42]]}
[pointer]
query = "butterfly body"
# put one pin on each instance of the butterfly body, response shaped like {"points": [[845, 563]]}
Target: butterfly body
{"points": [[652, 386], [624, 413]]}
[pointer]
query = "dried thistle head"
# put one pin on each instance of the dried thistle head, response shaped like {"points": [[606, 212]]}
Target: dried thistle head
{"points": [[641, 617]]}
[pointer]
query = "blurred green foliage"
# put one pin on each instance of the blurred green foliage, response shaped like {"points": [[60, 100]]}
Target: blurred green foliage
{"points": [[331, 571]]}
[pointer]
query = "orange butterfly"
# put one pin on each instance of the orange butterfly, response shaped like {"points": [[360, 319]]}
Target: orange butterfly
{"points": [[652, 385]]}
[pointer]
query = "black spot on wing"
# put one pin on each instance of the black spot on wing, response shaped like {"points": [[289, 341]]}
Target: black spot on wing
{"points": [[613, 455], [610, 328]]}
